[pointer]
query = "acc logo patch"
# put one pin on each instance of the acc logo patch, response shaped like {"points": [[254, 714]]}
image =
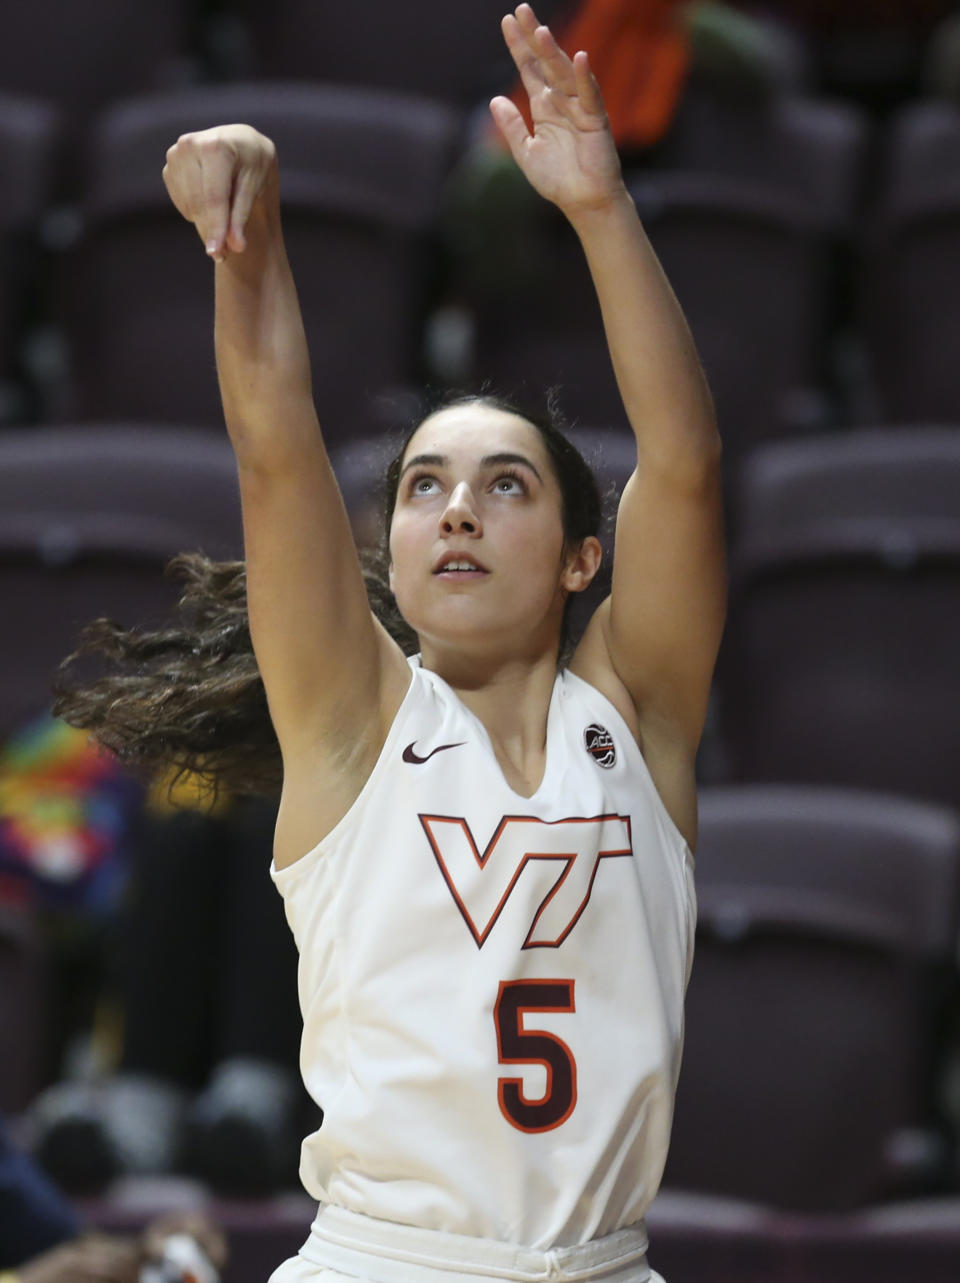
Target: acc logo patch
{"points": [[600, 745]]}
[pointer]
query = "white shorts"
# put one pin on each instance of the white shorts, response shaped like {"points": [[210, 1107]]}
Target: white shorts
{"points": [[345, 1247]]}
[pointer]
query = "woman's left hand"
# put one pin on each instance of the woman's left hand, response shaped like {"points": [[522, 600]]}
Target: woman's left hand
{"points": [[570, 158]]}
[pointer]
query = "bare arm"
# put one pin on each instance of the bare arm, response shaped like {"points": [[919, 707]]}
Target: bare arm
{"points": [[660, 630], [330, 672], [664, 619], [658, 370]]}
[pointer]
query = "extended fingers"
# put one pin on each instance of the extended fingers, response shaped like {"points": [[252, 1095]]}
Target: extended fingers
{"points": [[554, 65], [587, 88], [543, 65], [524, 57]]}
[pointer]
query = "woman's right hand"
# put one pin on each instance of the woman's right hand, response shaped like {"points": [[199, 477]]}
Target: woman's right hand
{"points": [[214, 176]]}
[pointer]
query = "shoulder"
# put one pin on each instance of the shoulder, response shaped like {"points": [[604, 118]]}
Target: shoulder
{"points": [[650, 726], [669, 756], [590, 662]]}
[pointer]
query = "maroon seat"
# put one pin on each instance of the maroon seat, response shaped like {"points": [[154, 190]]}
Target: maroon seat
{"points": [[812, 148], [456, 53], [89, 516], [708, 1239], [918, 1239], [839, 663], [30, 131], [910, 305], [81, 56], [816, 1017], [361, 174]]}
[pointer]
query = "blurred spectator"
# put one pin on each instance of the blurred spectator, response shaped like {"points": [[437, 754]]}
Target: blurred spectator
{"points": [[34, 1215], [175, 1026], [66, 809], [42, 1238]]}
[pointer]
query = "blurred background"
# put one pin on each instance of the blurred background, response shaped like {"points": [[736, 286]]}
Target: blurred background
{"points": [[796, 165]]}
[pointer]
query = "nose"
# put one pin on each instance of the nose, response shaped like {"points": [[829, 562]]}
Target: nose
{"points": [[460, 515]]}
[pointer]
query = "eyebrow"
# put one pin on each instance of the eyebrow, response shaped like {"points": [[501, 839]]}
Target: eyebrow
{"points": [[488, 461]]}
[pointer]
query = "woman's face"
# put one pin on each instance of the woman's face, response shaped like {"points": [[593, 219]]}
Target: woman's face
{"points": [[477, 549]]}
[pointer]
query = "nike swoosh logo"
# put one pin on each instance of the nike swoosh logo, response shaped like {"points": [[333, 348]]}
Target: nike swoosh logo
{"points": [[410, 756]]}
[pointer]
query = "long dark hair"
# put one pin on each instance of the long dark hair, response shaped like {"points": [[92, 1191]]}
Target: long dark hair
{"points": [[189, 698]]}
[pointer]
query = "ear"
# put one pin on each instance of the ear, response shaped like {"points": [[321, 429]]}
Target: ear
{"points": [[390, 575], [582, 563]]}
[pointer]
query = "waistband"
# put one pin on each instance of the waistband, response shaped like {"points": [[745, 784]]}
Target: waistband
{"points": [[385, 1252]]}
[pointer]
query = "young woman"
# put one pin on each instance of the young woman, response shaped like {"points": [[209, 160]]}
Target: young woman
{"points": [[485, 858]]}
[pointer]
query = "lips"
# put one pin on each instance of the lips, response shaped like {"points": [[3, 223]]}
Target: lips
{"points": [[460, 566]]}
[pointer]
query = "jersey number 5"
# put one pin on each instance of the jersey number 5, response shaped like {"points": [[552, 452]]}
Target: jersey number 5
{"points": [[519, 1046]]}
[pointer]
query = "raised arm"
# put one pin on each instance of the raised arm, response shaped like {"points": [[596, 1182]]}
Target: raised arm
{"points": [[660, 630], [332, 676]]}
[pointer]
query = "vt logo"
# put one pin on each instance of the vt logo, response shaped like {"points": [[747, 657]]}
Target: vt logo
{"points": [[564, 855]]}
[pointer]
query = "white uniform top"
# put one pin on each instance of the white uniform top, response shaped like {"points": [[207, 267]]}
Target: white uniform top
{"points": [[492, 985]]}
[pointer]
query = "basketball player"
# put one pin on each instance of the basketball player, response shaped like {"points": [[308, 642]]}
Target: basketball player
{"points": [[486, 860]]}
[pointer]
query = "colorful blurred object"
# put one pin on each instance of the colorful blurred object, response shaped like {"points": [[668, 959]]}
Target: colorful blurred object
{"points": [[65, 811]]}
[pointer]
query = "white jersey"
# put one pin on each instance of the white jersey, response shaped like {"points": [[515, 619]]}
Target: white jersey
{"points": [[492, 985]]}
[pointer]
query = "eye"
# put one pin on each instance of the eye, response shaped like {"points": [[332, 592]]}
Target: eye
{"points": [[510, 483], [424, 484]]}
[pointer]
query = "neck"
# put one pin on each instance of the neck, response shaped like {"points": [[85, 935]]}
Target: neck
{"points": [[511, 698]]}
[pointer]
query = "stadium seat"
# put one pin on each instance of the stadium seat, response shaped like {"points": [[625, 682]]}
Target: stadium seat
{"points": [[29, 138], [813, 149], [910, 298], [839, 661], [81, 56], [919, 1238], [455, 54], [89, 516], [697, 1237], [817, 1010], [360, 178]]}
